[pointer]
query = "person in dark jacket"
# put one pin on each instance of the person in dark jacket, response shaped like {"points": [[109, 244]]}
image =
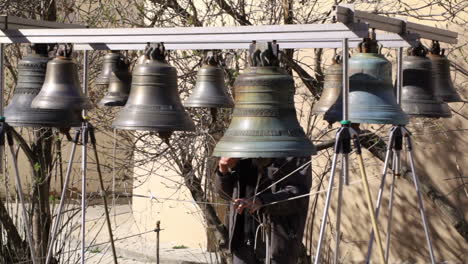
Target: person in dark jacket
{"points": [[238, 180]]}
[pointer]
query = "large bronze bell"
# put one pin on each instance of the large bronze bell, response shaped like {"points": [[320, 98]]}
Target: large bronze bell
{"points": [[119, 87], [210, 90], [154, 102], [264, 122], [61, 89], [371, 94], [112, 62], [417, 97], [443, 85], [31, 74], [330, 101]]}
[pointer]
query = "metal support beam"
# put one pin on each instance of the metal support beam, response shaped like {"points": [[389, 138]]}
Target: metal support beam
{"points": [[12, 22]]}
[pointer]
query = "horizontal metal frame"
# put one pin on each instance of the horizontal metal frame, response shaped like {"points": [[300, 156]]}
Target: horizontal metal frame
{"points": [[346, 14], [12, 22], [186, 34], [387, 40]]}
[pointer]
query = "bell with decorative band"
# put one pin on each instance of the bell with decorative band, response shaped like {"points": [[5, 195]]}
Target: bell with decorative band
{"points": [[210, 90], [61, 89], [31, 75], [330, 100], [417, 97], [264, 122], [119, 87], [154, 102], [443, 85], [112, 62], [371, 94]]}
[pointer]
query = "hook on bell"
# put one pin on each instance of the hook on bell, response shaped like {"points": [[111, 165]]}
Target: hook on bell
{"points": [[443, 85], [61, 89], [417, 97], [154, 103], [210, 90], [264, 122], [31, 75]]}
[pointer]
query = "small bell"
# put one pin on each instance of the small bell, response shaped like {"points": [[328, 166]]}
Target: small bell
{"points": [[417, 97], [154, 102], [371, 94], [112, 62], [119, 87], [330, 101], [31, 75], [61, 89], [264, 122], [210, 90], [443, 85]]}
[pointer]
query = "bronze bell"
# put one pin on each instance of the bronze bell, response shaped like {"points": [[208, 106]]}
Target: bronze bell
{"points": [[417, 97], [119, 87], [154, 102], [264, 122], [330, 101], [61, 89], [112, 62], [443, 85], [31, 74], [371, 94], [210, 90]]}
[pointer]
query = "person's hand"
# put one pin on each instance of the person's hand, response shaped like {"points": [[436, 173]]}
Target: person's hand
{"points": [[225, 164], [242, 204]]}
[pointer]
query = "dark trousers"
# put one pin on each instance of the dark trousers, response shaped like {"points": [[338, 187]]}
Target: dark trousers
{"points": [[244, 255]]}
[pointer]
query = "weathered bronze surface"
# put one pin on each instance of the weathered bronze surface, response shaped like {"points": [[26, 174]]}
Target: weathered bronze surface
{"points": [[119, 88], [443, 85], [210, 90], [417, 97], [371, 95], [264, 122], [330, 101], [31, 75], [154, 102], [61, 89], [112, 62]]}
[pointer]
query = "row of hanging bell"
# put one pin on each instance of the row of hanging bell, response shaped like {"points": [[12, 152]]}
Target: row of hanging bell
{"points": [[50, 85], [264, 122], [116, 76], [154, 103], [418, 97]]}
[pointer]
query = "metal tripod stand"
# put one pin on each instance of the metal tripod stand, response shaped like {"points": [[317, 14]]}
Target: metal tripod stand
{"points": [[6, 130], [344, 136], [395, 145], [87, 132]]}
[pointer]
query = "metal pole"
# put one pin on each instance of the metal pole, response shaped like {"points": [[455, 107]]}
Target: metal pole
{"points": [[19, 188], [2, 90], [338, 213], [158, 229], [399, 75], [381, 190], [323, 224], [420, 200], [62, 199], [84, 161], [390, 205], [345, 79]]}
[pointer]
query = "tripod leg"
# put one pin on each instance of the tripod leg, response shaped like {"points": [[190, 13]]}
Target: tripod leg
{"points": [[370, 206], [396, 160], [381, 190], [323, 224], [103, 193], [84, 156], [62, 199], [341, 180], [420, 201], [19, 189]]}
